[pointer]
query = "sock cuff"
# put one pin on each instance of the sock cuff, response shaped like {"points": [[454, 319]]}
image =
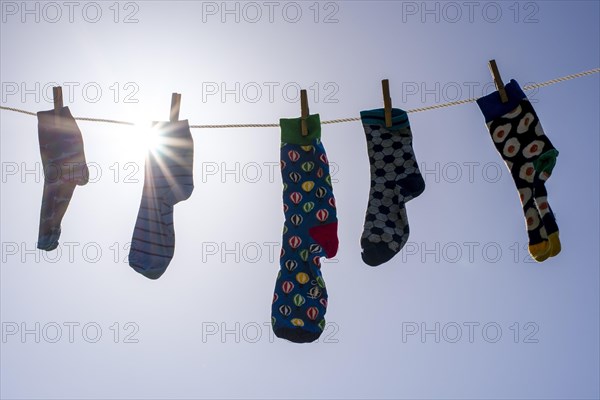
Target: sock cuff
{"points": [[491, 105], [48, 117], [173, 128], [377, 117], [291, 130]]}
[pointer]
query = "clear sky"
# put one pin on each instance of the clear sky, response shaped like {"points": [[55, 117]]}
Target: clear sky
{"points": [[461, 312]]}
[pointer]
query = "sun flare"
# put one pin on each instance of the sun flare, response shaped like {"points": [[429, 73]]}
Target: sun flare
{"points": [[147, 136], [142, 136]]}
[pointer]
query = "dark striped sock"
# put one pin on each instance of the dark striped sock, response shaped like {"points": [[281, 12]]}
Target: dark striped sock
{"points": [[168, 180]]}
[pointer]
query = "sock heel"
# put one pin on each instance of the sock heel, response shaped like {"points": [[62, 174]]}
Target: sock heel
{"points": [[326, 237], [411, 187]]}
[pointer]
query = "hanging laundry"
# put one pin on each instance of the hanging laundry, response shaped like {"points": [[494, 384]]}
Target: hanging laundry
{"points": [[395, 179], [530, 157], [63, 159], [168, 179], [309, 233]]}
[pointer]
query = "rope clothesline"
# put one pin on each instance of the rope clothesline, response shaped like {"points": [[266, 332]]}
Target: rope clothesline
{"points": [[332, 121]]}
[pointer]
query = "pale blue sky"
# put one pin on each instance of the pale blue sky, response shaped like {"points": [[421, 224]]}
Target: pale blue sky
{"points": [[185, 47]]}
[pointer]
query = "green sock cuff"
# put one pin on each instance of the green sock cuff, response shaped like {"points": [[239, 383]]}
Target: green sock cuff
{"points": [[546, 161], [291, 130]]}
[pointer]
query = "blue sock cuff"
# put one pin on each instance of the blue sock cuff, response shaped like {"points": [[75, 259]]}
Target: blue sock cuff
{"points": [[491, 105], [377, 117]]}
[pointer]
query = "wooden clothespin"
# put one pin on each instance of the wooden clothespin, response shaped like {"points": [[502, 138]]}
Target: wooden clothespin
{"points": [[175, 106], [304, 114], [498, 80], [58, 98], [387, 102]]}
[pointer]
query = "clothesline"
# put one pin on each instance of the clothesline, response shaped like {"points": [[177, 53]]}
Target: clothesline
{"points": [[332, 121]]}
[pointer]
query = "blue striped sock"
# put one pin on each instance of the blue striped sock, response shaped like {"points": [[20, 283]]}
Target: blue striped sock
{"points": [[168, 180]]}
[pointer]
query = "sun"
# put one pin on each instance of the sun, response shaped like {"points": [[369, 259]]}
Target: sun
{"points": [[147, 137], [140, 137]]}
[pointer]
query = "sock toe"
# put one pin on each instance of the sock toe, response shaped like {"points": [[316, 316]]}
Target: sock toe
{"points": [[540, 251], [49, 242], [375, 254], [555, 246], [48, 246], [296, 335], [150, 273]]}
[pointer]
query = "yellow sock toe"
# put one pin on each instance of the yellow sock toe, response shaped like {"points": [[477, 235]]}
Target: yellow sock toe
{"points": [[541, 251], [554, 244]]}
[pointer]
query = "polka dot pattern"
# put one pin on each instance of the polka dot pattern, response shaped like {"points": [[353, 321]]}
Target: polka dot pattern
{"points": [[520, 140], [309, 233]]}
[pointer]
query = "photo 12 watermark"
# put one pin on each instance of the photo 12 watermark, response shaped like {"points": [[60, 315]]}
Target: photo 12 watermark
{"points": [[456, 12], [255, 332], [469, 332], [54, 12], [65, 253], [468, 252], [245, 252], [35, 172], [87, 92], [250, 172], [69, 332], [254, 12], [436, 92], [268, 92]]}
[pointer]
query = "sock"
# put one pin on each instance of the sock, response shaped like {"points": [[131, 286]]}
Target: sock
{"points": [[395, 179], [168, 179], [63, 159], [530, 156], [309, 233]]}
